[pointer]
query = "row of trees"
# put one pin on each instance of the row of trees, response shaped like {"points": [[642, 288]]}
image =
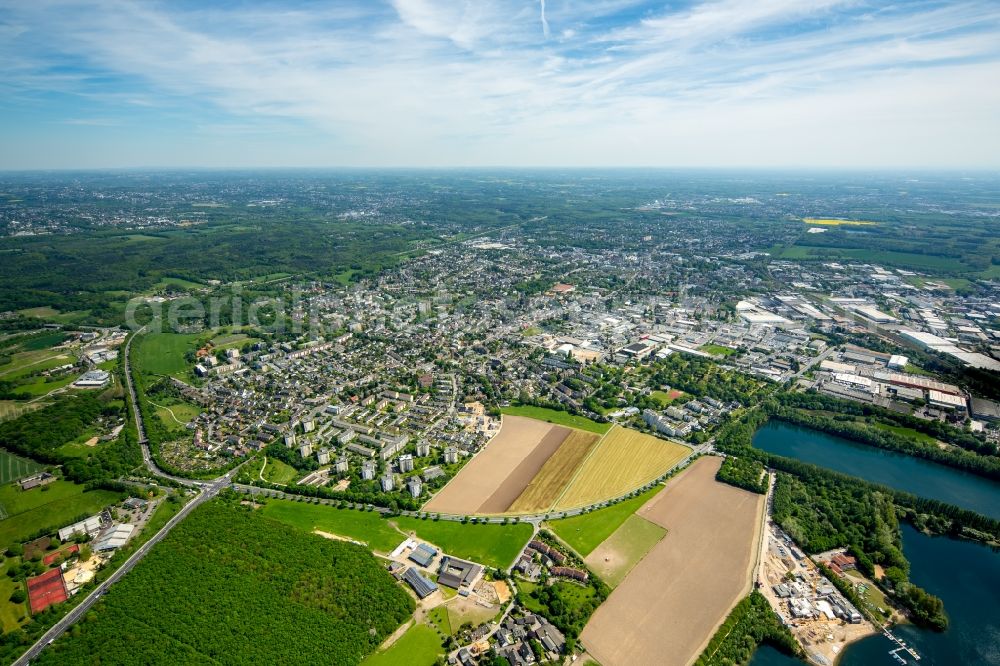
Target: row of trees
{"points": [[865, 433], [750, 623]]}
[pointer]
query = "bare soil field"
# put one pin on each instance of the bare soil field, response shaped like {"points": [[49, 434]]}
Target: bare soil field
{"points": [[671, 603], [555, 474], [623, 461], [499, 473], [620, 552]]}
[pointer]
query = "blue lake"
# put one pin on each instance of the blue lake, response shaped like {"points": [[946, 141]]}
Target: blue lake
{"points": [[897, 470]]}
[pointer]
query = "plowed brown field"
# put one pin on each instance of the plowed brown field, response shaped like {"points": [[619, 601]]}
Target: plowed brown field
{"points": [[671, 603]]}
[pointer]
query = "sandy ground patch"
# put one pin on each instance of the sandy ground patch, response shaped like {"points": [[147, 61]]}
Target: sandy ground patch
{"points": [[462, 610], [515, 483], [671, 603], [621, 462], [620, 552], [501, 471], [555, 474], [91, 442], [502, 591]]}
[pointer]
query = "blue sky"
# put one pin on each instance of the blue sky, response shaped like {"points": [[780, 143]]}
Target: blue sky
{"points": [[762, 83]]}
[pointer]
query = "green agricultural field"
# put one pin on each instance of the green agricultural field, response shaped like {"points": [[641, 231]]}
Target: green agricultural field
{"points": [[576, 600], [910, 433], [557, 417], [50, 507], [344, 277], [14, 467], [276, 471], [620, 552], [43, 311], [26, 362], [228, 585], [163, 353], [11, 614], [586, 532], [44, 386], [78, 448], [717, 350], [493, 545], [11, 409], [366, 526], [177, 413], [419, 646], [177, 282], [440, 618]]}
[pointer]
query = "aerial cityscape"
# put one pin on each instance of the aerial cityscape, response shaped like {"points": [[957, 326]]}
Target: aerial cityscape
{"points": [[322, 384]]}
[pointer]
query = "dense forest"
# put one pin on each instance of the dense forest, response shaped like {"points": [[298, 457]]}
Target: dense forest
{"points": [[750, 623], [230, 586], [746, 473], [39, 434]]}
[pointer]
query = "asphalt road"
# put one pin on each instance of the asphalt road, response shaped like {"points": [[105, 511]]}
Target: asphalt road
{"points": [[65, 623], [209, 490]]}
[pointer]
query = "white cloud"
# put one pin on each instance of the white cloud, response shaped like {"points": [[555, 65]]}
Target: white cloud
{"points": [[824, 82]]}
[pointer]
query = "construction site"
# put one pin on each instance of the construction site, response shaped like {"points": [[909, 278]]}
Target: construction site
{"points": [[818, 615]]}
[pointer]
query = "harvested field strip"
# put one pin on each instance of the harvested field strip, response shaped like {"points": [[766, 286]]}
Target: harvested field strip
{"points": [[503, 457], [555, 474], [620, 552], [668, 607], [512, 486], [623, 461]]}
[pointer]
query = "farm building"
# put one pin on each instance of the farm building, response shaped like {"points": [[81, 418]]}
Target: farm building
{"points": [[37, 480], [423, 555], [455, 573], [420, 585]]}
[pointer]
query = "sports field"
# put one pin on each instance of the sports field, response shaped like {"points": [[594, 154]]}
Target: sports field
{"points": [[616, 556], [555, 474], [14, 467], [667, 608], [622, 461]]}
